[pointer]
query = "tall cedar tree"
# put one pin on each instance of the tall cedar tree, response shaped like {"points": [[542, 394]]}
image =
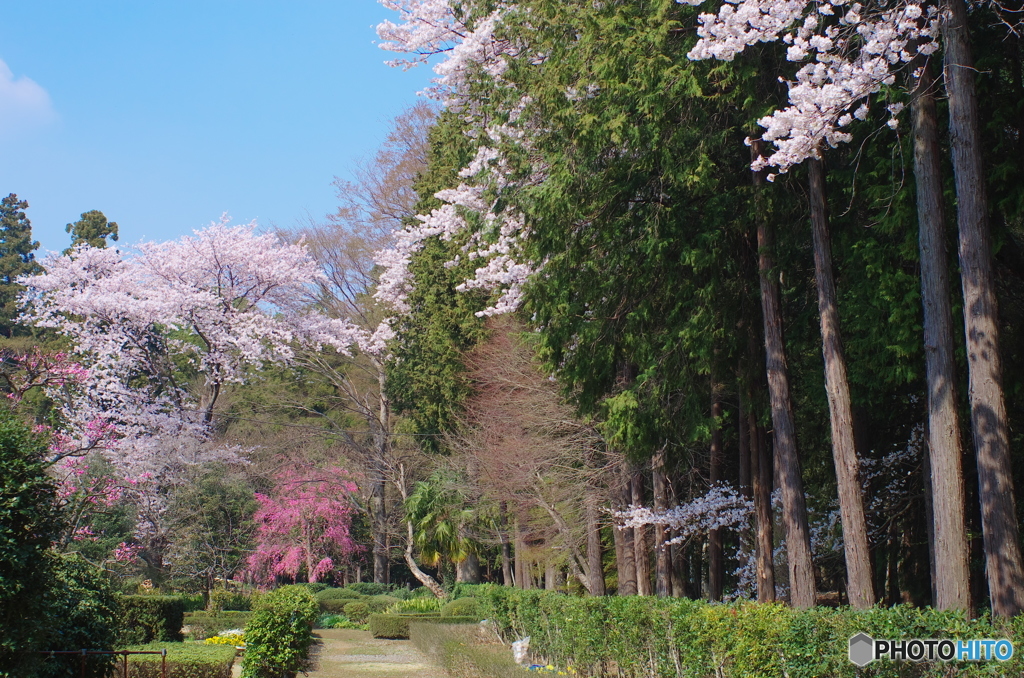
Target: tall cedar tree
{"points": [[17, 258]]}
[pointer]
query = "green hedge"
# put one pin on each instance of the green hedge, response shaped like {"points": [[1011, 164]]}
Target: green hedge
{"points": [[184, 660], [338, 594], [202, 625], [460, 652], [398, 625], [151, 618], [644, 636], [463, 607], [279, 634]]}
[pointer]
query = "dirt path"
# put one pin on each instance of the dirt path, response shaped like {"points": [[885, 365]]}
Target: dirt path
{"points": [[344, 653]]}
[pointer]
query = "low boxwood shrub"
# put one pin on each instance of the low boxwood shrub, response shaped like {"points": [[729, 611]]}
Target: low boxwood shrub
{"points": [[278, 636], [184, 660], [338, 594], [397, 625], [151, 618], [357, 612], [367, 588], [463, 607], [416, 605], [335, 605], [202, 625], [225, 599]]}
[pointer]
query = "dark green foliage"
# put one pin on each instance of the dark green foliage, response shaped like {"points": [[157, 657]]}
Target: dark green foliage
{"points": [[202, 625], [184, 660], [17, 257], [278, 636], [92, 229], [428, 381], [316, 587], [28, 515], [75, 609], [645, 636], [151, 618], [367, 588], [347, 594], [463, 607], [224, 599], [357, 612], [335, 605]]}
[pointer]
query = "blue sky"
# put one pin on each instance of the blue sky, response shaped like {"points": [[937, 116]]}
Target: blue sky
{"points": [[165, 114]]}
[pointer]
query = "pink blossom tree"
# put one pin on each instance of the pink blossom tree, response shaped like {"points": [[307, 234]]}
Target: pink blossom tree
{"points": [[304, 524]]}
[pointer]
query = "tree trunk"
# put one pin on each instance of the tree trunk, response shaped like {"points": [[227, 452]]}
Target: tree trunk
{"points": [[945, 455], [506, 548], [794, 509], [595, 568], [522, 566], [467, 570], [625, 554], [378, 469], [1003, 563], [662, 563], [643, 563], [764, 547], [421, 576], [680, 570], [716, 557], [844, 451]]}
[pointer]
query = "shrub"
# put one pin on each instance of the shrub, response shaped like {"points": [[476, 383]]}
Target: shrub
{"points": [[279, 633], [643, 636], [367, 588], [203, 625], [225, 599], [338, 594], [192, 602], [395, 625], [357, 612], [79, 609], [184, 660], [151, 618], [398, 625], [416, 605], [380, 603], [460, 652], [316, 587], [463, 607], [335, 605]]}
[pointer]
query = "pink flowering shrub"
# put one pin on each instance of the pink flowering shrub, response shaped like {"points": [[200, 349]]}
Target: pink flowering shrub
{"points": [[303, 524]]}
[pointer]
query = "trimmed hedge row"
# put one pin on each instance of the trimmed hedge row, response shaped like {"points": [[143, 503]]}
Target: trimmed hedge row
{"points": [[184, 660], [278, 636], [644, 636], [397, 625], [151, 618]]}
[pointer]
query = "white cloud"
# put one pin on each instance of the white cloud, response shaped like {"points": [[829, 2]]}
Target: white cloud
{"points": [[24, 105]]}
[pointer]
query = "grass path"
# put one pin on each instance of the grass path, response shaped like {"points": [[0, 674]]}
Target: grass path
{"points": [[344, 653]]}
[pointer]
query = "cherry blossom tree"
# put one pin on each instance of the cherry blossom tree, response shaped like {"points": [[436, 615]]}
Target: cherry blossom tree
{"points": [[208, 307], [303, 524]]}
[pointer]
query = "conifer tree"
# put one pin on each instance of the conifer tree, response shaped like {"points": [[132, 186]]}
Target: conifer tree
{"points": [[17, 257]]}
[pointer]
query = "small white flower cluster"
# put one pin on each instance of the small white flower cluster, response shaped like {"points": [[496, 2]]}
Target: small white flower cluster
{"points": [[722, 507], [854, 51]]}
